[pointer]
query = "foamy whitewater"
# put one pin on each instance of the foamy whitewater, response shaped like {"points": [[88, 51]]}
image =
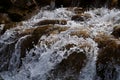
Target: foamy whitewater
{"points": [[37, 67]]}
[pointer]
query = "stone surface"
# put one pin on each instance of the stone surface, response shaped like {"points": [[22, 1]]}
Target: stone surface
{"points": [[47, 22], [116, 31], [69, 68], [108, 60]]}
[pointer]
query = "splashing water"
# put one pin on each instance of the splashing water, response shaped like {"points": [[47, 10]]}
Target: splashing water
{"points": [[48, 56]]}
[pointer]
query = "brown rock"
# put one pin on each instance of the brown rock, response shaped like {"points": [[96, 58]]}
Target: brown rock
{"points": [[5, 55], [116, 31], [69, 68], [4, 18], [108, 59], [78, 10], [46, 22], [81, 32], [8, 26], [102, 40], [81, 17]]}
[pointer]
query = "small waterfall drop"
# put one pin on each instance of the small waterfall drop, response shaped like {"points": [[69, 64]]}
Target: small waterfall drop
{"points": [[52, 48]]}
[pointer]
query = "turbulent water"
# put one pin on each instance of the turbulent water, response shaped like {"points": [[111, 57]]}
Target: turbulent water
{"points": [[47, 56]]}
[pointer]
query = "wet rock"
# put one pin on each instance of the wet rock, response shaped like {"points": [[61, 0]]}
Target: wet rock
{"points": [[26, 44], [4, 18], [116, 31], [8, 26], [58, 29], [81, 17], [18, 10], [77, 18], [78, 10], [27, 31], [6, 51], [46, 22], [102, 40], [15, 17], [42, 30], [69, 68], [108, 60], [81, 32]]}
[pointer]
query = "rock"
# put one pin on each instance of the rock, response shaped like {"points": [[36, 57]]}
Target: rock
{"points": [[108, 60], [41, 30], [116, 31], [4, 18], [16, 17], [5, 55], [78, 10], [81, 32], [27, 31], [81, 17], [26, 44], [69, 68], [8, 26], [18, 10], [102, 40], [46, 22], [77, 18]]}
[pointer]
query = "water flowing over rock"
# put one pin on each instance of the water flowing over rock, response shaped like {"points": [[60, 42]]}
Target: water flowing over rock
{"points": [[72, 43], [116, 31], [108, 61]]}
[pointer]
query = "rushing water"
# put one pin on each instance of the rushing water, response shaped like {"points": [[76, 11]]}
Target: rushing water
{"points": [[47, 57]]}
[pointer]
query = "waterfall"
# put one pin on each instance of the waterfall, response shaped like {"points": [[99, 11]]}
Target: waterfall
{"points": [[48, 50]]}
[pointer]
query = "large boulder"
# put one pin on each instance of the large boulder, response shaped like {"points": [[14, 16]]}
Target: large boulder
{"points": [[69, 68], [109, 60]]}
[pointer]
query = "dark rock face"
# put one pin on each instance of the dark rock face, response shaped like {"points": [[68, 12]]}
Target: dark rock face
{"points": [[5, 5], [116, 31], [18, 10], [5, 55], [4, 18], [108, 60], [69, 68]]}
